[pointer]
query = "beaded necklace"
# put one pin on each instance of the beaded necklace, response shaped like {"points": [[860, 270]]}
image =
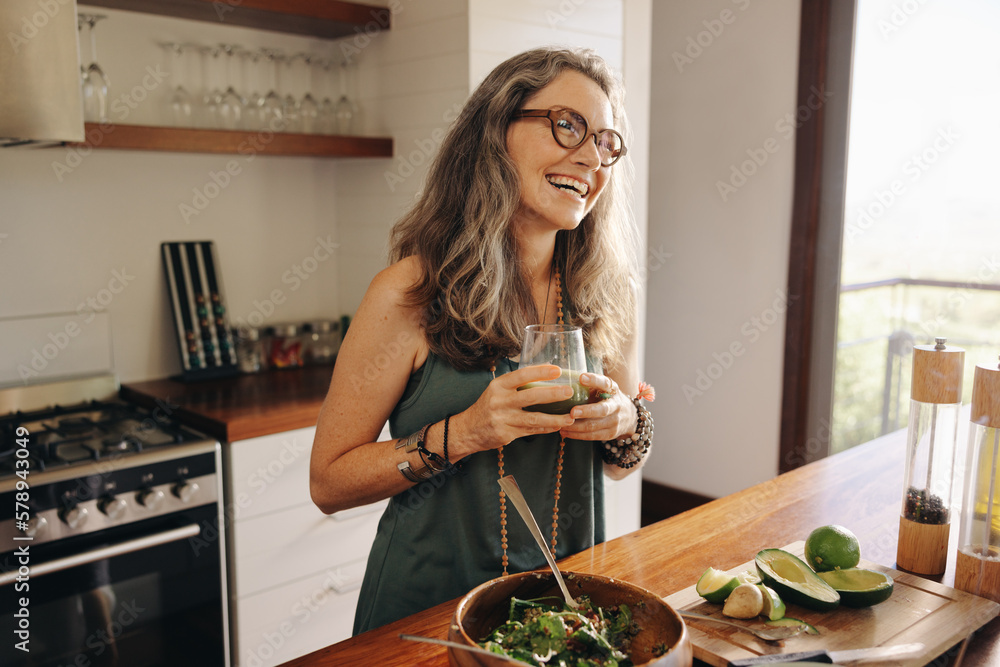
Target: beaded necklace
{"points": [[559, 459]]}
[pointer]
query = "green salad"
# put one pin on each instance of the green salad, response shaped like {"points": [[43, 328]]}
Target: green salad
{"points": [[555, 634]]}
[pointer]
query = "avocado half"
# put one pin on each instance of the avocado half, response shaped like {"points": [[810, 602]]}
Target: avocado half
{"points": [[859, 587], [794, 581]]}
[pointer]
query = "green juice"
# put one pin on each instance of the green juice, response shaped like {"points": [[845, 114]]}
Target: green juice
{"points": [[580, 395]]}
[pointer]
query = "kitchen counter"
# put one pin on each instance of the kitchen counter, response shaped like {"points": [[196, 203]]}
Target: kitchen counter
{"points": [[245, 406], [859, 488]]}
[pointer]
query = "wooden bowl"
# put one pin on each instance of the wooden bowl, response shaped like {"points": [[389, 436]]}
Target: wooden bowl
{"points": [[486, 607]]}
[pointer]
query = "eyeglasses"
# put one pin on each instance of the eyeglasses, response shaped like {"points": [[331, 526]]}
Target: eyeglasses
{"points": [[570, 130]]}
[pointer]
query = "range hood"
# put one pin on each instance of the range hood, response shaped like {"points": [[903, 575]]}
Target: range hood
{"points": [[39, 73]]}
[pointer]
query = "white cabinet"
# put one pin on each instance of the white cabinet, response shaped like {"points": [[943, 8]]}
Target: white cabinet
{"points": [[294, 572]]}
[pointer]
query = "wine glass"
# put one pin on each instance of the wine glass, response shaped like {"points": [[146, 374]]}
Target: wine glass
{"points": [[345, 111], [181, 101], [286, 86], [212, 88], [308, 107], [95, 84], [252, 83], [230, 109], [327, 93], [562, 346], [270, 108]]}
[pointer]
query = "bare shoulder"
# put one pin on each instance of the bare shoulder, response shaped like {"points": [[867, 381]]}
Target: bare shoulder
{"points": [[384, 310]]}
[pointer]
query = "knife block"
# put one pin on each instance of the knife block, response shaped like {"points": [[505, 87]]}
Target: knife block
{"points": [[199, 309]]}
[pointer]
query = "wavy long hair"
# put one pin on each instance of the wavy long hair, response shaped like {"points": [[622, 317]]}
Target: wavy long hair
{"points": [[474, 294]]}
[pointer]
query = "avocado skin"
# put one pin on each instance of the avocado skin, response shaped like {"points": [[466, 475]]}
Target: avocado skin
{"points": [[790, 591]]}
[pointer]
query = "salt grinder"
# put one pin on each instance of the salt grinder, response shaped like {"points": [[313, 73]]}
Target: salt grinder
{"points": [[935, 401], [977, 566]]}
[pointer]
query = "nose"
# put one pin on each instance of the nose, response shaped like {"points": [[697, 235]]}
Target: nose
{"points": [[587, 153]]}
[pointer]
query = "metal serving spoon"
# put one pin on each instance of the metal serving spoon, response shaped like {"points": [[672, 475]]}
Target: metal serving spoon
{"points": [[464, 647], [768, 634], [513, 491]]}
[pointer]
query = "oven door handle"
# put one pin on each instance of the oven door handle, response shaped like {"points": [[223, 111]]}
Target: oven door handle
{"points": [[103, 553]]}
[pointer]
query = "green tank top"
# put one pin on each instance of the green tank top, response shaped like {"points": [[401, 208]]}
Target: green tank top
{"points": [[440, 539]]}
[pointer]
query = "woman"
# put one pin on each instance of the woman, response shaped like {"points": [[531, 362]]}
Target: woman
{"points": [[523, 220]]}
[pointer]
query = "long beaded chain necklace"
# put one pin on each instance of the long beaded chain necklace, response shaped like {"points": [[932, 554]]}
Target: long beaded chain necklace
{"points": [[559, 460]]}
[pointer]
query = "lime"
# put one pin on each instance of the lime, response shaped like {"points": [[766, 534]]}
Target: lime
{"points": [[859, 587], [774, 608], [832, 548], [716, 585]]}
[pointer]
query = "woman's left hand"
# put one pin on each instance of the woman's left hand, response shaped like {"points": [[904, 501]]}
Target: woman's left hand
{"points": [[608, 419]]}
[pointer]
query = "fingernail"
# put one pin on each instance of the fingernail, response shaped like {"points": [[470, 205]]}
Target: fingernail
{"points": [[584, 377]]}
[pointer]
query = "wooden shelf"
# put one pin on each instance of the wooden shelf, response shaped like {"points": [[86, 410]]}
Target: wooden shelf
{"points": [[185, 140], [327, 19]]}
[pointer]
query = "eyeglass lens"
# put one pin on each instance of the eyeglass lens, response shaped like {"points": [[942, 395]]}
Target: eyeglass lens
{"points": [[570, 130]]}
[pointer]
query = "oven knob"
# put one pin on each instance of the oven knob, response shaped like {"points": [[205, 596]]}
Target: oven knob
{"points": [[36, 526], [113, 507], [74, 517], [186, 491], [151, 499]]}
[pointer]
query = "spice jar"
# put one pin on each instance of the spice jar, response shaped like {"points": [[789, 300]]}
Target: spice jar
{"points": [[935, 401], [322, 341], [249, 349], [286, 346], [977, 565]]}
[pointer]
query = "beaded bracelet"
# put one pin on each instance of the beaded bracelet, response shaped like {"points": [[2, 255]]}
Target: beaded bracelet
{"points": [[627, 452]]}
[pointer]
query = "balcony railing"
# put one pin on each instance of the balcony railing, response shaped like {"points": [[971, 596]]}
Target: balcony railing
{"points": [[880, 322]]}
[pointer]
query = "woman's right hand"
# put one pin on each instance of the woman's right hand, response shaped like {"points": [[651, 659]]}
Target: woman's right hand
{"points": [[498, 418]]}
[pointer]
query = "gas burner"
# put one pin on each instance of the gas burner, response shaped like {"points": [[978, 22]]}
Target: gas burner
{"points": [[121, 444], [61, 436]]}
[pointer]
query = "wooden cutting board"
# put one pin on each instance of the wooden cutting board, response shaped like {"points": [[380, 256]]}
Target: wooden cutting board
{"points": [[919, 611]]}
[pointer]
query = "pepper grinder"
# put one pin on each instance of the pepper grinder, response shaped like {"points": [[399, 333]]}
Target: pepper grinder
{"points": [[935, 401], [977, 566]]}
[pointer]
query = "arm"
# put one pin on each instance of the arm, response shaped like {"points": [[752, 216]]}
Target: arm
{"points": [[384, 345]]}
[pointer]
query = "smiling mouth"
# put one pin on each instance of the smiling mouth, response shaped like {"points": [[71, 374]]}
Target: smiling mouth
{"points": [[579, 188]]}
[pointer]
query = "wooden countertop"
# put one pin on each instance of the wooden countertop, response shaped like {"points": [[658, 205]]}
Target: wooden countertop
{"points": [[860, 488], [246, 406]]}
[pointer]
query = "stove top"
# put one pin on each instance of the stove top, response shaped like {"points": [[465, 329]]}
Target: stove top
{"points": [[64, 436]]}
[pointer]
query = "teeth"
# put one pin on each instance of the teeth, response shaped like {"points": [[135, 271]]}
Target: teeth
{"points": [[578, 187]]}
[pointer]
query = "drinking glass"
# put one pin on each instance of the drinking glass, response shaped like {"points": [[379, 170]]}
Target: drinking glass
{"points": [[286, 86], [230, 102], [212, 76], [181, 101], [95, 81], [324, 70], [308, 107], [562, 346], [346, 110], [270, 108], [252, 83]]}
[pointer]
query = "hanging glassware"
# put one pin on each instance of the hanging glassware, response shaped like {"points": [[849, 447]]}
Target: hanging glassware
{"points": [[346, 110], [95, 81], [230, 109], [180, 103], [270, 107]]}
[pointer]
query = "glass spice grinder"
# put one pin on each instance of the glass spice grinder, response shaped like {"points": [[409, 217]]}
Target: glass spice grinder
{"points": [[935, 402], [977, 566]]}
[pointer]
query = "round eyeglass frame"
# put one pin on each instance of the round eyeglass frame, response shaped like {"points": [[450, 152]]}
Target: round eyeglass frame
{"points": [[551, 115]]}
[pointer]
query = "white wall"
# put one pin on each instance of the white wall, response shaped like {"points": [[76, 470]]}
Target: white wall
{"points": [[724, 78]]}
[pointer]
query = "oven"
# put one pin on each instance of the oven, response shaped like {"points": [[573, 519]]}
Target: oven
{"points": [[111, 539]]}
